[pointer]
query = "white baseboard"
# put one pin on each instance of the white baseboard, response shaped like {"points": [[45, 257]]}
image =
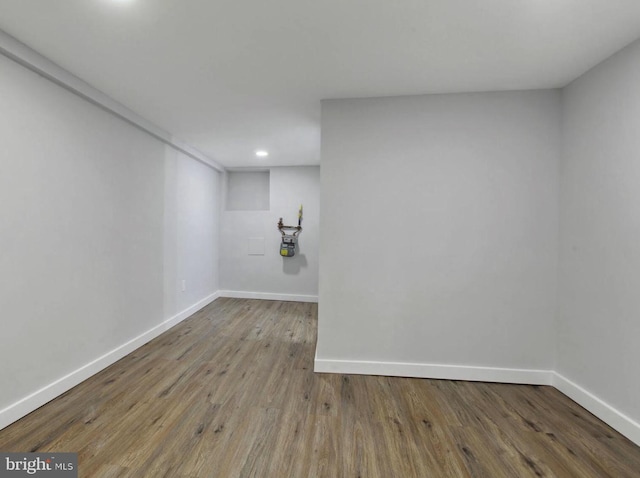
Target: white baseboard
{"points": [[608, 414], [601, 409], [31, 402], [446, 372], [241, 294], [613, 417]]}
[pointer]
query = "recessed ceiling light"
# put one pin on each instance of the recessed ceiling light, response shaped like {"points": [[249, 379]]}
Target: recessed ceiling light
{"points": [[261, 153]]}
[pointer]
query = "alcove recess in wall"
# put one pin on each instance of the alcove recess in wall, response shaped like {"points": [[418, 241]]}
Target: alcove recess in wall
{"points": [[247, 191]]}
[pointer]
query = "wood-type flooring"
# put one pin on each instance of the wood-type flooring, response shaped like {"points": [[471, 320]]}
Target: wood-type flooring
{"points": [[231, 392]]}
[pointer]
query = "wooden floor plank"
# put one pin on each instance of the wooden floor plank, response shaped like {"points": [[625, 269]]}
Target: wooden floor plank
{"points": [[231, 392]]}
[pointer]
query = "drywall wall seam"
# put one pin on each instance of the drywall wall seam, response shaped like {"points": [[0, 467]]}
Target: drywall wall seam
{"points": [[34, 61]]}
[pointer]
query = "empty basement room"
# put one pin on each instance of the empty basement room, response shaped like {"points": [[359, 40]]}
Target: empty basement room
{"points": [[351, 238]]}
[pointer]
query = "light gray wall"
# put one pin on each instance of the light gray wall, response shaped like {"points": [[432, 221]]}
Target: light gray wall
{"points": [[247, 191], [97, 226], [439, 229], [271, 273], [598, 322], [191, 238]]}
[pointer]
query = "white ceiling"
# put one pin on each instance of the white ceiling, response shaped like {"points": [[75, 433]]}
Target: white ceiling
{"points": [[233, 76]]}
